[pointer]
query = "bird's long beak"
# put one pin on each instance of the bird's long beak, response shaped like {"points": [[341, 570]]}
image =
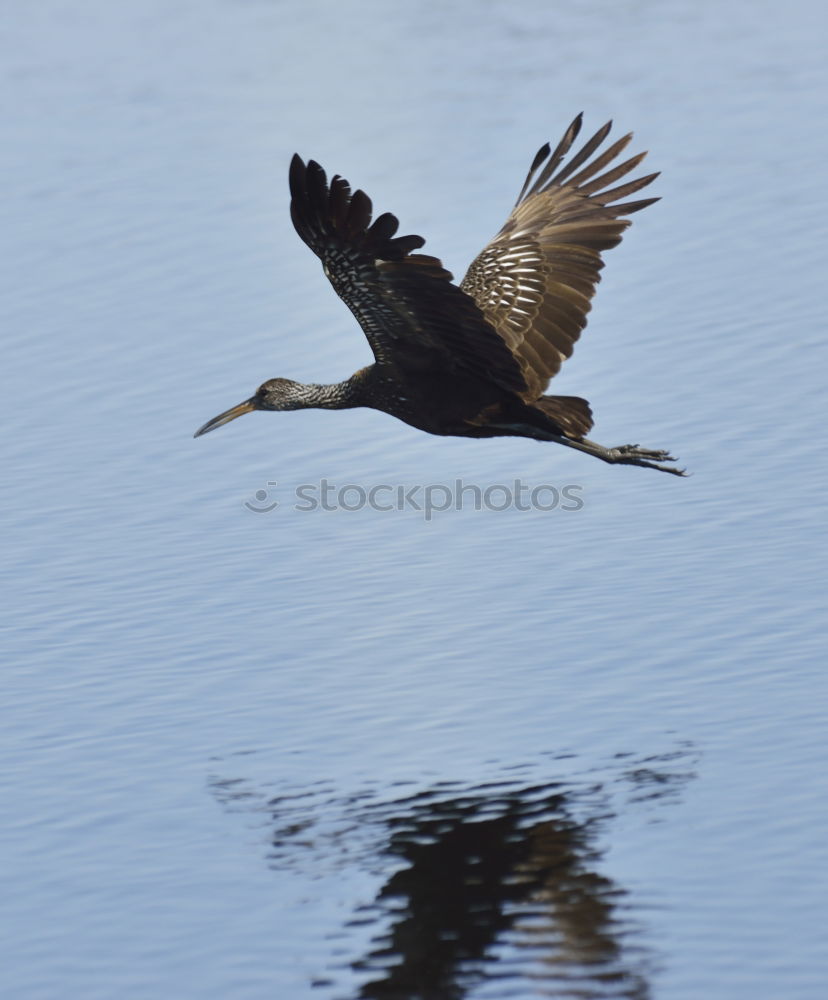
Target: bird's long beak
{"points": [[248, 406]]}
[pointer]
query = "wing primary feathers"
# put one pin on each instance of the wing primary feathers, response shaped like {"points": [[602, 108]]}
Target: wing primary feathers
{"points": [[597, 185], [317, 188], [540, 156], [403, 245], [561, 150], [601, 161], [584, 155], [384, 227], [338, 199], [624, 189], [359, 214], [296, 176], [634, 206]]}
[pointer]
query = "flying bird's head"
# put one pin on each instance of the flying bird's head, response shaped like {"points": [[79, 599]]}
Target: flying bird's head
{"points": [[280, 394], [275, 394]]}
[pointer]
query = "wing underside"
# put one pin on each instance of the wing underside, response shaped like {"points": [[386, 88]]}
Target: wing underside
{"points": [[535, 280]]}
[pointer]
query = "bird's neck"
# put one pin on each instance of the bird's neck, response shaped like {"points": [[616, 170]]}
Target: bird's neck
{"points": [[336, 396]]}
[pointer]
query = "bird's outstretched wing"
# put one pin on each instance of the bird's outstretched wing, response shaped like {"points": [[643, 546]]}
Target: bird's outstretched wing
{"points": [[534, 281], [408, 307]]}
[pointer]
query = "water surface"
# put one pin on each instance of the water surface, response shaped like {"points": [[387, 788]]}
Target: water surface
{"points": [[515, 753]]}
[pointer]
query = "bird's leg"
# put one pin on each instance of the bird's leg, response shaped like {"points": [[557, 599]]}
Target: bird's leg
{"points": [[625, 454]]}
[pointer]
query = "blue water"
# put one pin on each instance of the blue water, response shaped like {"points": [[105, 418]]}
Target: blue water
{"points": [[245, 753]]}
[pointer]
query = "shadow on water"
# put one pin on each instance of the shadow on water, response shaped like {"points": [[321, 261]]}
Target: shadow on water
{"points": [[492, 889]]}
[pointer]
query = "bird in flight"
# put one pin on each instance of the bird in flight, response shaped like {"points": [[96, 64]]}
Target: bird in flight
{"points": [[474, 359]]}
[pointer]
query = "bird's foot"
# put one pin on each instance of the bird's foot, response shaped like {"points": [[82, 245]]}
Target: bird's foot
{"points": [[632, 454]]}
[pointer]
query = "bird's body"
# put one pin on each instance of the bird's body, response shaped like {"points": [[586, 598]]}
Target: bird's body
{"points": [[471, 360]]}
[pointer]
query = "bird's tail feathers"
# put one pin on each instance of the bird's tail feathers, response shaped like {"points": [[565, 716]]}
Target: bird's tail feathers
{"points": [[571, 413]]}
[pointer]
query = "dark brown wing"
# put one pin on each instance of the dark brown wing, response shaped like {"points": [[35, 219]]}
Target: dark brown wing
{"points": [[534, 281], [411, 312]]}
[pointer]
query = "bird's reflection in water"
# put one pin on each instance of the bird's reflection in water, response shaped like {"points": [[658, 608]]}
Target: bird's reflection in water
{"points": [[494, 868], [495, 889]]}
